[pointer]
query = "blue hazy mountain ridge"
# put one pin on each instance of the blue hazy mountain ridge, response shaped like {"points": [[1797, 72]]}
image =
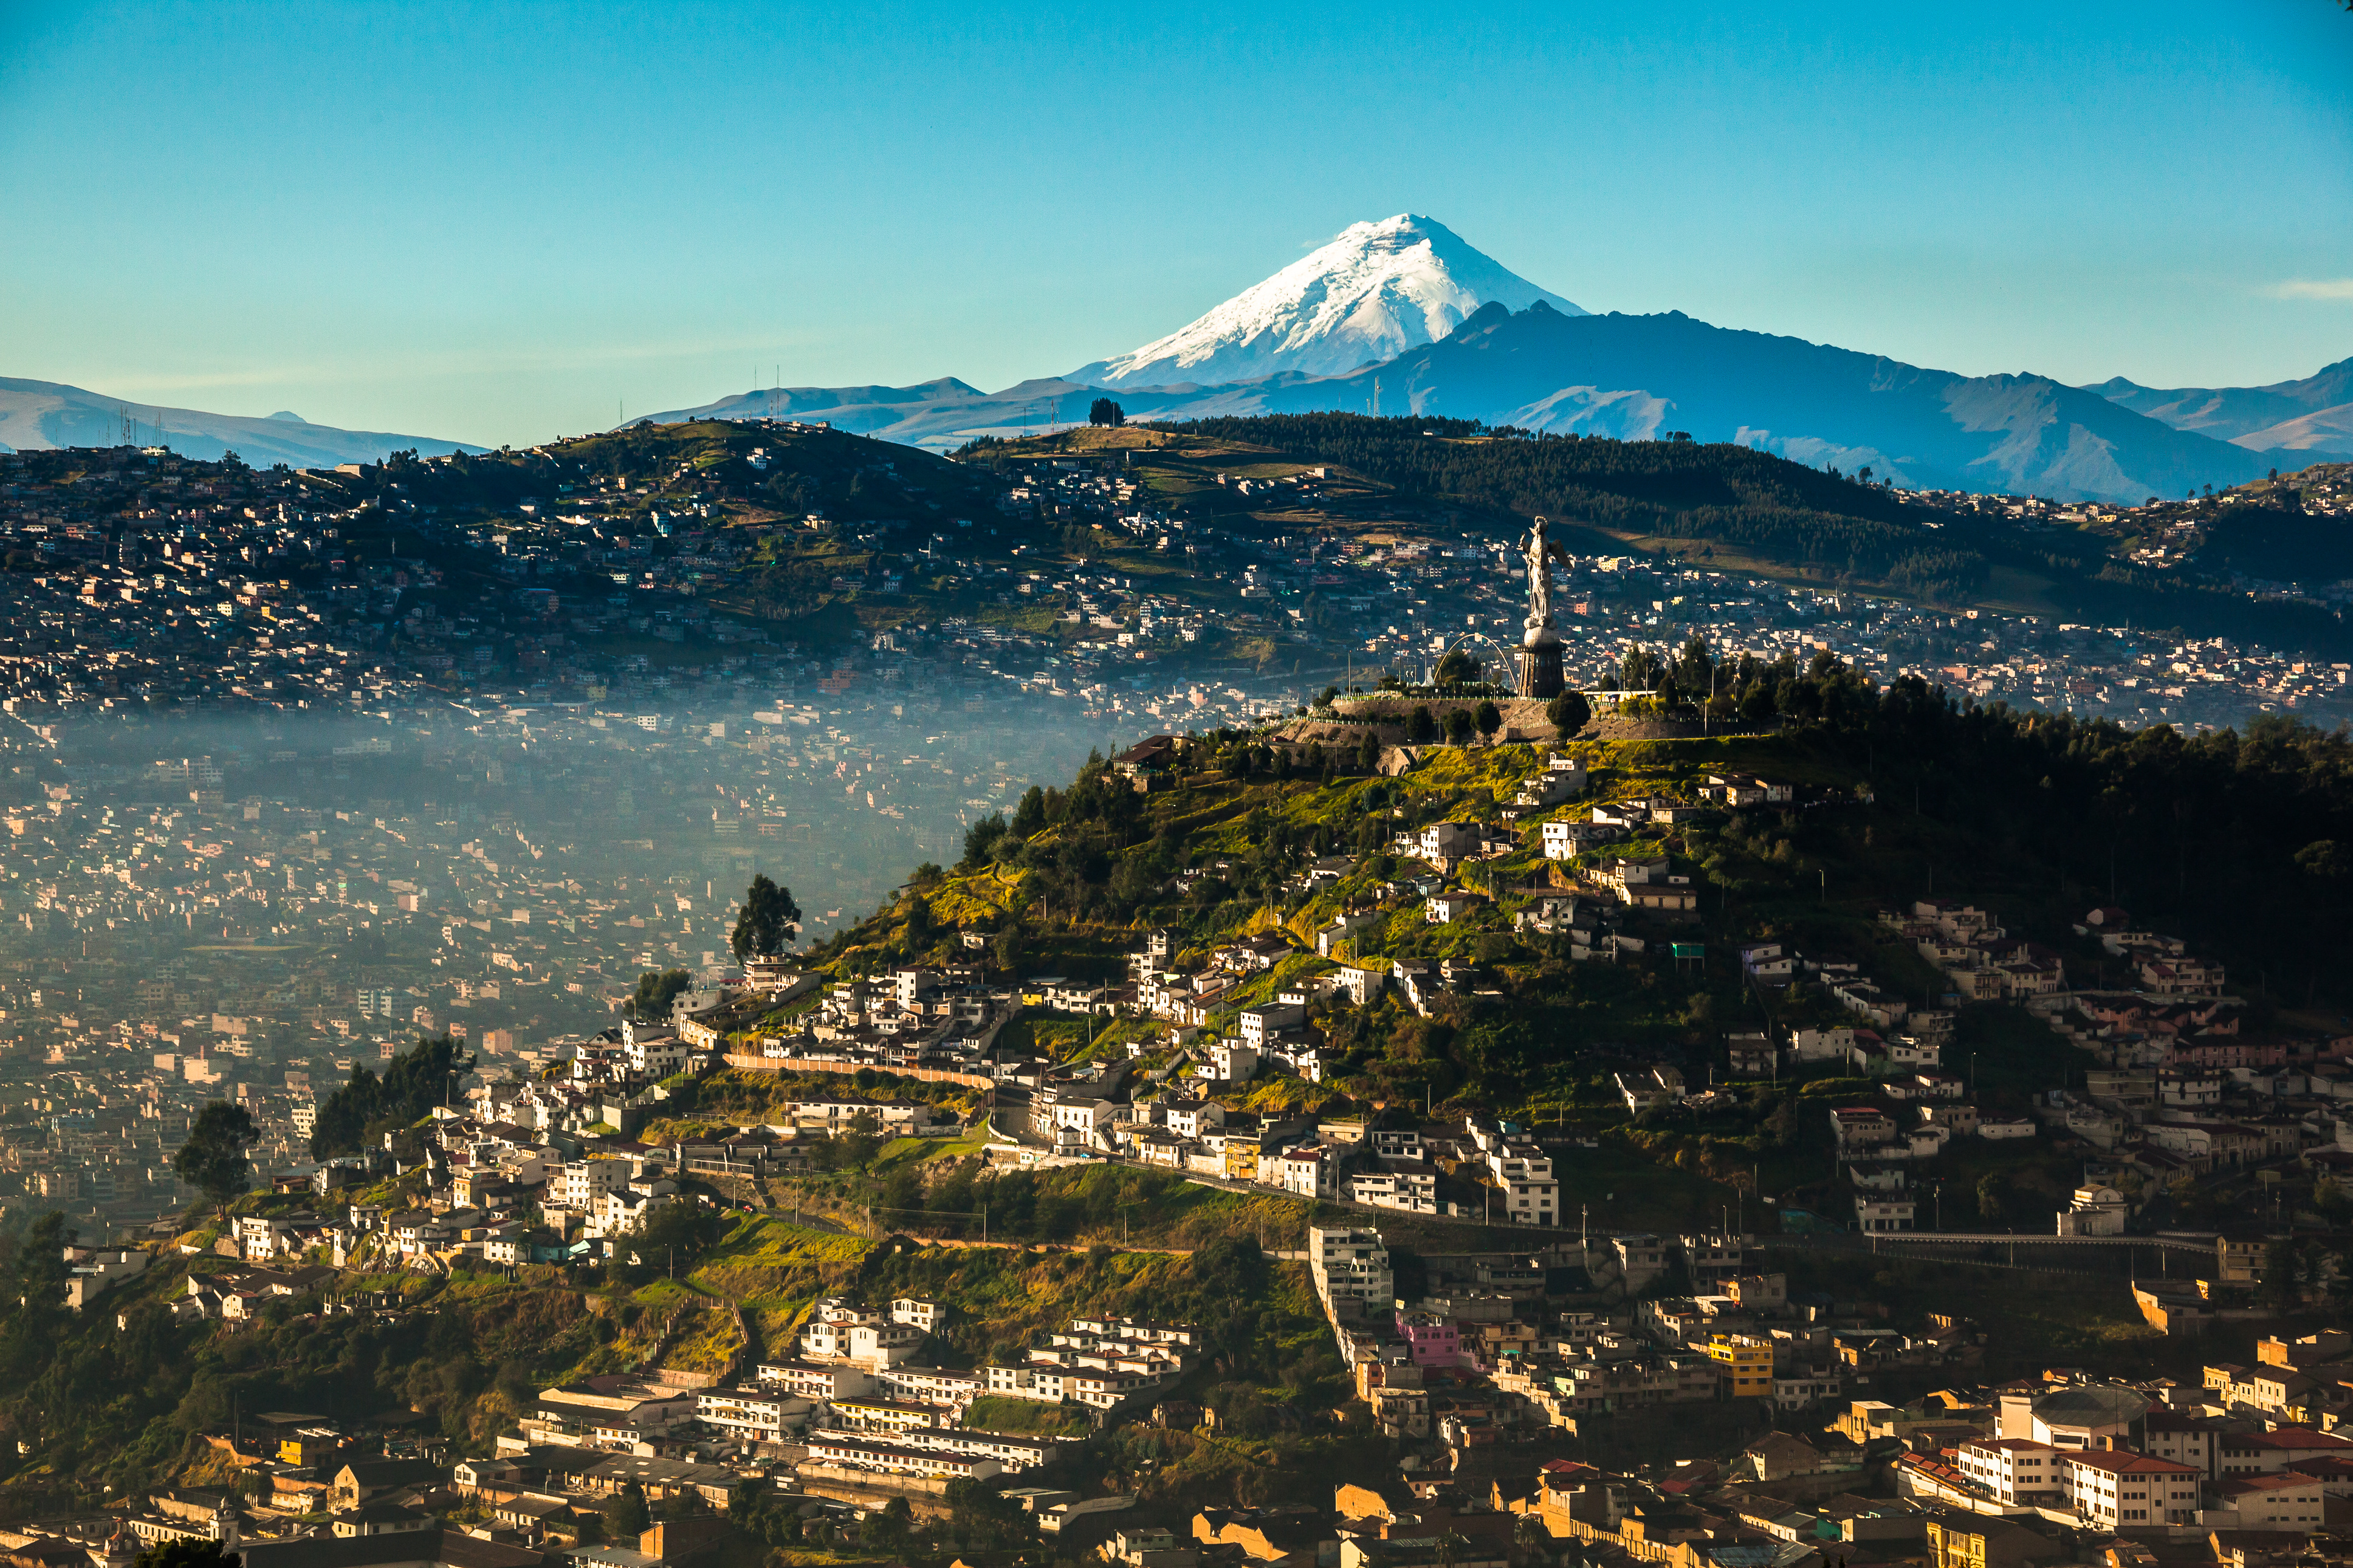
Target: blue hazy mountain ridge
{"points": [[2309, 420], [860, 410], [947, 412], [38, 415], [1637, 377]]}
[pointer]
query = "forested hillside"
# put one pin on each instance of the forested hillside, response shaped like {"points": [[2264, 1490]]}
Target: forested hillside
{"points": [[2242, 843]]}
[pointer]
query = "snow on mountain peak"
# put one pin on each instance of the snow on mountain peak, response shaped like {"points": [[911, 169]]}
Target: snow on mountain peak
{"points": [[1376, 290]]}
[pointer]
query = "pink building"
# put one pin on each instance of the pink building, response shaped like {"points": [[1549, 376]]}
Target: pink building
{"points": [[1430, 1340]]}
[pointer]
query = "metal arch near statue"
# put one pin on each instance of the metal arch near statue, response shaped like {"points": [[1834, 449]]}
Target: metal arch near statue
{"points": [[1504, 661]]}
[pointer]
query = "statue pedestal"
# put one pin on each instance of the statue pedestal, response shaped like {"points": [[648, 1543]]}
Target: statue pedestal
{"points": [[1540, 674]]}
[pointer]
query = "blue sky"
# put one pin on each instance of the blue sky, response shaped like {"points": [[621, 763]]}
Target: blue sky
{"points": [[497, 223]]}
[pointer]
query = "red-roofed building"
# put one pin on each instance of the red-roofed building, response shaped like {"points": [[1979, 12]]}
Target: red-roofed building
{"points": [[2119, 1490], [1934, 1479], [2281, 1448]]}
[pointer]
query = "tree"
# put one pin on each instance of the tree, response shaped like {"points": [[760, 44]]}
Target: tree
{"points": [[212, 1159], [983, 1519], [980, 839], [1103, 411], [1489, 717], [1459, 725], [2284, 1275], [1695, 668], [768, 919], [656, 989], [886, 1530], [674, 1234], [1569, 712], [186, 1554], [1420, 727], [863, 1141], [417, 1079], [1029, 812], [919, 928], [1457, 668], [624, 1514], [1641, 669], [40, 1274], [902, 1196], [2325, 858]]}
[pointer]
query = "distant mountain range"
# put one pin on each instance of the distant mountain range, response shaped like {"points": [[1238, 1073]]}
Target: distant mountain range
{"points": [[38, 415], [1640, 377], [1403, 316], [2314, 416]]}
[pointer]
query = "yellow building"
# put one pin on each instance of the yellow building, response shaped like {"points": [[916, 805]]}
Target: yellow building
{"points": [[891, 1415], [310, 1446], [1975, 1541], [1747, 1363]]}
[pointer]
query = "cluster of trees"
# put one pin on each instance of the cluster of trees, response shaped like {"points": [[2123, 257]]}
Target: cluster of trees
{"points": [[1108, 857], [1425, 727], [668, 1241], [979, 1518], [656, 989], [1054, 1207], [96, 1404], [366, 1105], [1694, 680], [2235, 840], [1099, 815]]}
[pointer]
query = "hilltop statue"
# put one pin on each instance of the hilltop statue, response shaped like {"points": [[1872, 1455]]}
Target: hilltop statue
{"points": [[1539, 552], [1540, 661]]}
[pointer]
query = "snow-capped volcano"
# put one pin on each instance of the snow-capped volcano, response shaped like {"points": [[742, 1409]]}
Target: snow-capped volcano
{"points": [[1375, 291]]}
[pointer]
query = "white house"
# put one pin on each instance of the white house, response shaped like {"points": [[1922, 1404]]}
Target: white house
{"points": [[1259, 1022], [1449, 841], [1232, 1061], [2096, 1210], [1445, 909], [1407, 1189], [1306, 1170]]}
